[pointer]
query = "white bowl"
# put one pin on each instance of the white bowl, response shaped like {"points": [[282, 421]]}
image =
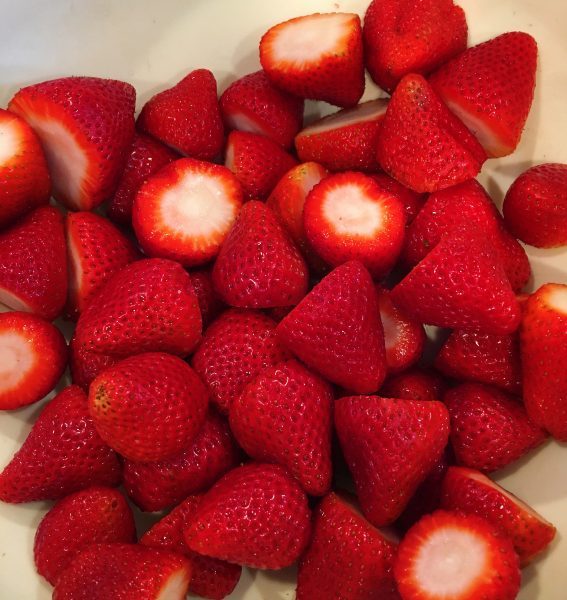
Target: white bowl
{"points": [[153, 44]]}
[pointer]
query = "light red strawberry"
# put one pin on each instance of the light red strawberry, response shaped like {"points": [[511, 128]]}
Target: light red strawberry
{"points": [[415, 384], [86, 126], [185, 211], [210, 303], [316, 56], [390, 446], [186, 116], [412, 201], [148, 407], [33, 264], [85, 365], [336, 330], [33, 356], [62, 454], [422, 144], [490, 87], [96, 515]]}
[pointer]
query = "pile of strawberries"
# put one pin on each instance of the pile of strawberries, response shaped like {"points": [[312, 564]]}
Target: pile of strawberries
{"points": [[250, 331]]}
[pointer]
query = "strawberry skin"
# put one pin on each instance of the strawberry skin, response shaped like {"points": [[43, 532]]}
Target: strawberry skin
{"points": [[412, 201], [390, 446], [86, 126], [148, 407], [415, 384], [33, 356], [209, 301], [95, 515], [85, 365]]}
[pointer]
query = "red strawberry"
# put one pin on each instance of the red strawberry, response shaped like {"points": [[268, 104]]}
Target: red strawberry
{"points": [[256, 516], [484, 358], [535, 206], [414, 384], [336, 330], [469, 491], [412, 201], [258, 265], [185, 211], [33, 264], [414, 36], [257, 161], [457, 556], [146, 157], [187, 116], [24, 178], [348, 558], [489, 429], [316, 56], [234, 350], [63, 453], [284, 416], [148, 305], [96, 515], [491, 88], [210, 577], [33, 356], [348, 216], [253, 104], [86, 126], [422, 144], [543, 348], [124, 572], [96, 251], [345, 140], [158, 485], [148, 407], [460, 284], [210, 303], [85, 365]]}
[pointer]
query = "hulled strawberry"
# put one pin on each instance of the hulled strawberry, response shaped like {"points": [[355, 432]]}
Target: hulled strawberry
{"points": [[209, 301], [415, 384]]}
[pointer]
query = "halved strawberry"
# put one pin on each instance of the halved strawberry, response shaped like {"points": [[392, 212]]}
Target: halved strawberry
{"points": [[415, 384], [412, 201], [316, 56], [86, 126]]}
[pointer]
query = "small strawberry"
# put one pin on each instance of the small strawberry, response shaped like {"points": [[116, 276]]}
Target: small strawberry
{"points": [[414, 384], [86, 126], [85, 365], [412, 201], [316, 56], [210, 303]]}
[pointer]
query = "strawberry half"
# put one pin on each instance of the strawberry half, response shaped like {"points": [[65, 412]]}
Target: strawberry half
{"points": [[316, 56], [86, 126], [415, 384]]}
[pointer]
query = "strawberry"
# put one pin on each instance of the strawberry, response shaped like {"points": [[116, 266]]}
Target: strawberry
{"points": [[422, 144], [348, 558], [253, 104], [96, 250], [316, 56], [209, 301], [85, 125], [462, 557], [148, 407], [148, 305], [158, 485], [414, 384], [336, 330], [258, 265], [491, 88], [185, 211], [348, 216], [63, 453], [462, 285], [489, 429], [257, 162], [146, 156], [186, 117], [345, 140], [469, 491], [235, 349], [24, 178], [535, 206], [390, 446], [33, 356], [414, 36], [85, 365], [543, 350], [284, 416], [412, 201], [124, 572], [33, 264], [210, 577], [95, 515], [256, 516]]}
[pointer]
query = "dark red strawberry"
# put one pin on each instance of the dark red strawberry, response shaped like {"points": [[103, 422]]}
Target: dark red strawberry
{"points": [[415, 384], [85, 365], [412, 201], [86, 126], [210, 303]]}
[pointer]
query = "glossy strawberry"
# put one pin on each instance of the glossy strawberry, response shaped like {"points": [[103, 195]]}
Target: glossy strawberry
{"points": [[85, 365], [209, 301], [412, 201], [415, 384]]}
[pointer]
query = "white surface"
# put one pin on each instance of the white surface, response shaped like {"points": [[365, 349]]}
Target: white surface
{"points": [[151, 44]]}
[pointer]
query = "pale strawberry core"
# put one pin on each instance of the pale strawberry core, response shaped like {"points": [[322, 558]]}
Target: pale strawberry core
{"points": [[9, 140], [16, 360], [351, 212], [176, 587]]}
